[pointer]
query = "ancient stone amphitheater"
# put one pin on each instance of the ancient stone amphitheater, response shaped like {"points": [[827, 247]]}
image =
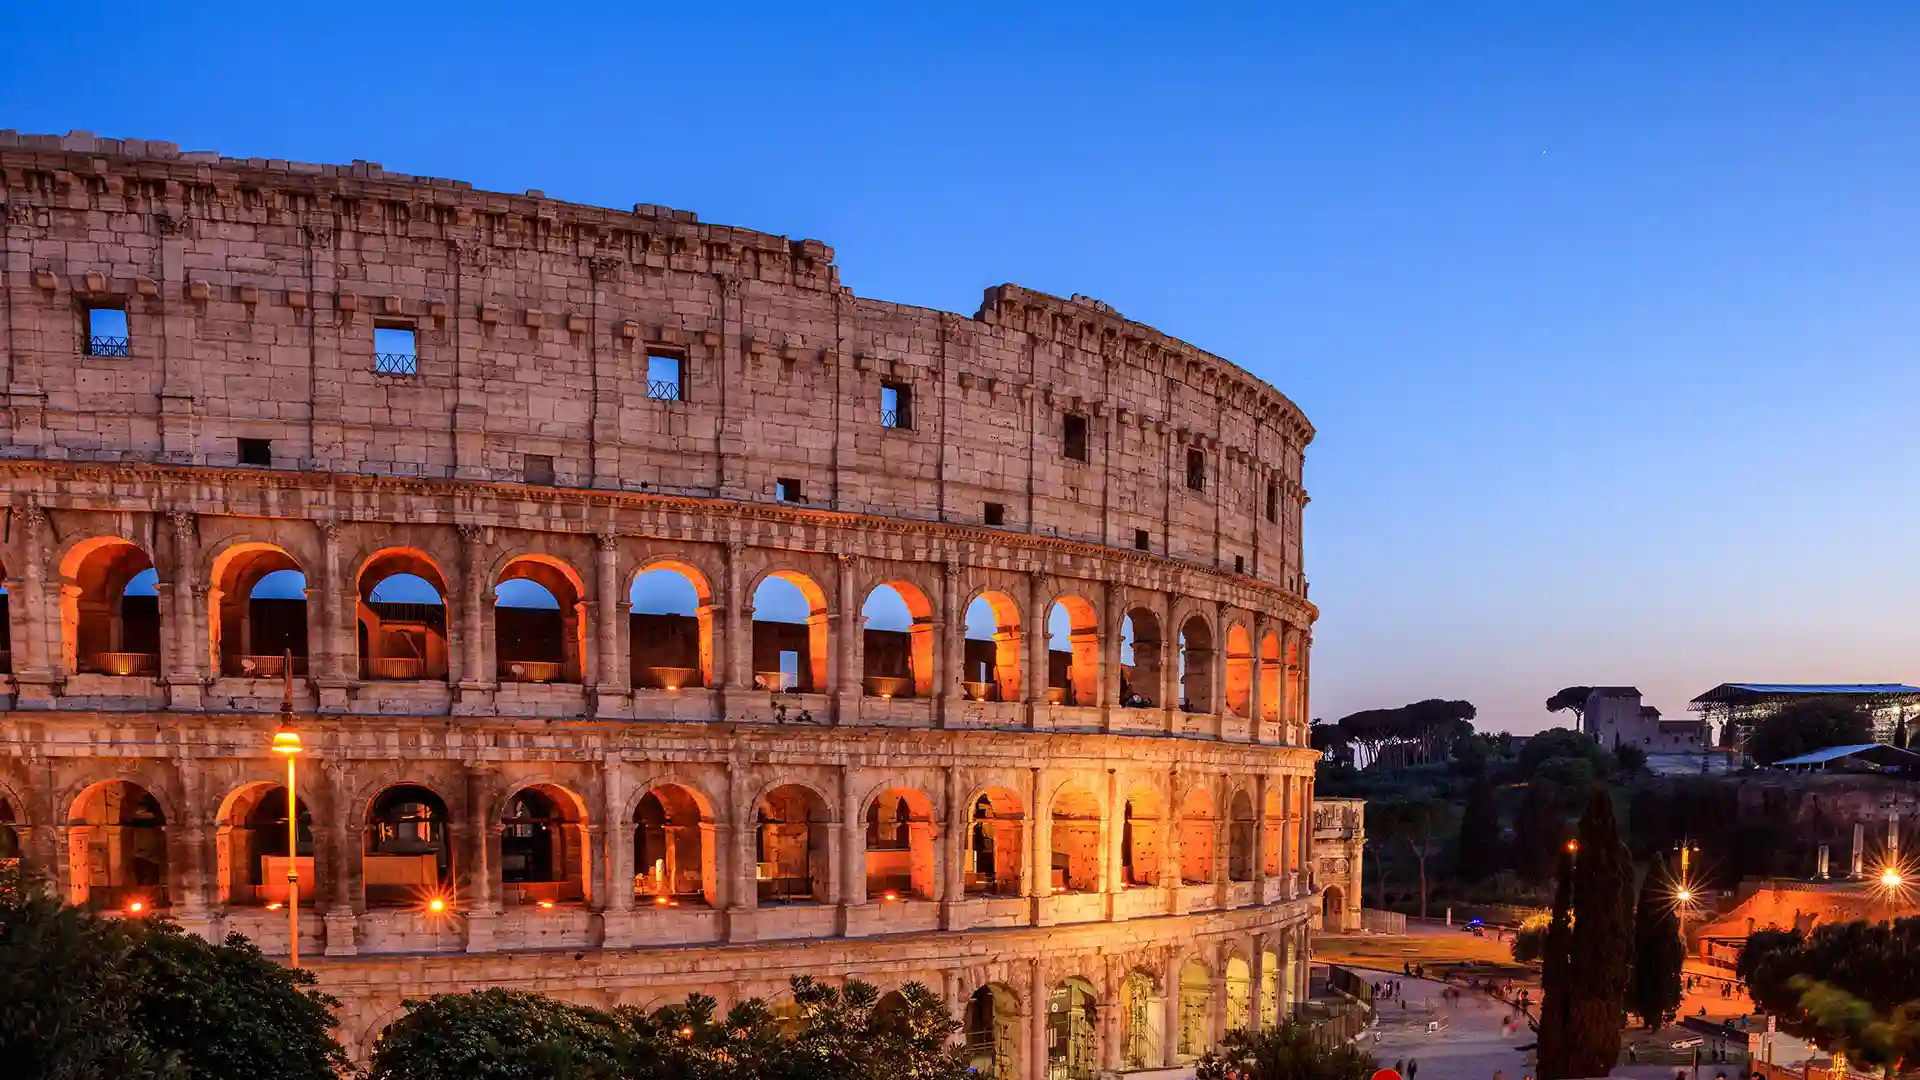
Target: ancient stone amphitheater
{"points": [[659, 615]]}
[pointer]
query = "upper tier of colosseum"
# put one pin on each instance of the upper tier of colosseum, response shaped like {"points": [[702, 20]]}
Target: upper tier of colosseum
{"points": [[558, 344]]}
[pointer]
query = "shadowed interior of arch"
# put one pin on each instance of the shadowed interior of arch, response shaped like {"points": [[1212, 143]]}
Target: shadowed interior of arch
{"points": [[899, 846], [1073, 1029], [407, 858], [252, 844], [539, 633], [790, 631], [673, 849], [402, 617], [897, 645], [544, 853], [1073, 653], [1143, 840], [260, 618], [1074, 858], [994, 854], [990, 1032], [791, 846], [117, 849], [990, 658], [1140, 651], [111, 619], [669, 631]]}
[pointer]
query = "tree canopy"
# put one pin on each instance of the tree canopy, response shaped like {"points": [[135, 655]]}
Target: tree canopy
{"points": [[1809, 724], [1287, 1051], [1658, 952], [1571, 699], [1587, 949], [1426, 730]]}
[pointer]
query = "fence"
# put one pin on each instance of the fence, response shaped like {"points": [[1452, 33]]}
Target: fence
{"points": [[1375, 921]]}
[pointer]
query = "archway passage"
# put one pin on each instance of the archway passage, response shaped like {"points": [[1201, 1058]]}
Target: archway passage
{"points": [[1140, 658], [791, 846], [1274, 824], [539, 627], [258, 611], [991, 1033], [670, 628], [408, 859], [1333, 909], [1141, 1016], [402, 617], [1239, 994], [543, 847], [1196, 666], [1074, 866], [1197, 836], [1073, 653], [9, 836], [6, 625], [1073, 1043], [993, 844], [253, 847], [900, 847], [1270, 676], [1143, 840], [1239, 673], [1196, 1003], [790, 634], [1240, 836], [117, 844], [673, 849], [1269, 995], [990, 656], [897, 642], [110, 609]]}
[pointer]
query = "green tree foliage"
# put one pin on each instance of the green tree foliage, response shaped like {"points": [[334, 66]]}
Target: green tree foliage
{"points": [[1571, 699], [1285, 1052], [1556, 975], [1658, 952], [1421, 733], [1530, 938], [1847, 1023], [1480, 847], [1602, 941], [1806, 725], [1878, 962], [1419, 824], [1631, 758], [1539, 831], [1561, 743]]}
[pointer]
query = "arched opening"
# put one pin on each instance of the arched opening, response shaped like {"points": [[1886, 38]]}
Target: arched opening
{"points": [[1289, 997], [900, 860], [990, 658], [258, 612], [1141, 1015], [993, 844], [890, 1014], [1239, 994], [407, 860], [110, 609], [539, 624], [991, 1033], [790, 630], [670, 629], [1290, 721], [1073, 653], [1197, 825], [1239, 670], [9, 836], [252, 843], [1073, 1043], [1196, 666], [897, 642], [1270, 978], [1140, 659], [1143, 840], [673, 849], [1075, 858], [1333, 909], [791, 846], [403, 617], [117, 845], [1196, 1000], [1270, 678], [543, 847], [6, 625], [1240, 826], [1274, 823]]}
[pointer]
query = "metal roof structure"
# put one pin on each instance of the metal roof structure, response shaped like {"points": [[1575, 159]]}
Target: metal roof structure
{"points": [[1746, 693], [1738, 707], [1881, 754]]}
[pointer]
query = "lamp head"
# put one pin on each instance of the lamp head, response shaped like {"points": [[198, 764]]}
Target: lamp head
{"points": [[286, 741]]}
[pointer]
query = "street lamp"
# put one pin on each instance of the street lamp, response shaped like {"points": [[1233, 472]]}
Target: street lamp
{"points": [[286, 741]]}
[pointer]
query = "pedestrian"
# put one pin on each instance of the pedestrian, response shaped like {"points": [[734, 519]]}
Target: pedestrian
{"points": [[1413, 1069], [1633, 1053]]}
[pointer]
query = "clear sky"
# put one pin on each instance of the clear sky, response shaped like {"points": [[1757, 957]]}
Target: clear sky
{"points": [[1605, 313]]}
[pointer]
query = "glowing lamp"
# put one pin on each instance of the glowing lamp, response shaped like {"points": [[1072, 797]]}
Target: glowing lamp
{"points": [[546, 903], [1573, 845], [686, 1032], [436, 905], [672, 686], [886, 695], [1890, 877], [890, 895], [275, 906], [1684, 895], [660, 901], [286, 741], [137, 907]]}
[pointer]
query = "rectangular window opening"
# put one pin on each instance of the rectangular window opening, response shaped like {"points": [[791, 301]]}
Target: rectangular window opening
{"points": [[1140, 540], [394, 351], [1239, 564], [1197, 470], [664, 371], [1075, 431], [107, 332], [996, 513], [1273, 503], [255, 451], [538, 468], [787, 489], [896, 405]]}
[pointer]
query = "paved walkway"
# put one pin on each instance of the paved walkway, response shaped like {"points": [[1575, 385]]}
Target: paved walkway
{"points": [[1458, 1040]]}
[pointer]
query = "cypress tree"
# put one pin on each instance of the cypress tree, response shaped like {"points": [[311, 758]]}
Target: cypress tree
{"points": [[1555, 974], [1658, 952], [1602, 942]]}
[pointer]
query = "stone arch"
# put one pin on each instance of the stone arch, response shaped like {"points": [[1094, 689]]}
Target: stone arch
{"points": [[995, 831], [991, 666], [255, 620], [1269, 991], [1196, 663], [544, 850], [1073, 673], [1142, 1019], [1198, 824], [669, 648], [534, 643], [251, 846], [1241, 827], [1196, 1009], [402, 639], [109, 624], [117, 848], [1239, 670], [902, 860], [1271, 673], [790, 655], [895, 661], [1073, 1029], [1274, 823], [407, 854], [1239, 993], [990, 1032], [1333, 909], [1142, 652], [1143, 838], [1294, 651], [1074, 858], [793, 823], [674, 851]]}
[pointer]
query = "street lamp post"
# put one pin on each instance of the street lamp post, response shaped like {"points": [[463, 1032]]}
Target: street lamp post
{"points": [[286, 741]]}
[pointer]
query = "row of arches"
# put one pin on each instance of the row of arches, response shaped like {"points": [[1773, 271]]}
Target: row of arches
{"points": [[258, 623]]}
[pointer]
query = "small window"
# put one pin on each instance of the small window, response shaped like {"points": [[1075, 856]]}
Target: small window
{"points": [[107, 332], [393, 351], [996, 513], [1075, 430], [539, 468], [1140, 541], [256, 451], [1197, 470], [1239, 564], [1273, 503], [896, 405], [663, 376], [787, 489]]}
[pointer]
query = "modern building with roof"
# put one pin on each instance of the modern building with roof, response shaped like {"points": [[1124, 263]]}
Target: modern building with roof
{"points": [[1856, 757], [1737, 707]]}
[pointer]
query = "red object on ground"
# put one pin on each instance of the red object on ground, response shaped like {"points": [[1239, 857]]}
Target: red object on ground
{"points": [[1385, 1074]]}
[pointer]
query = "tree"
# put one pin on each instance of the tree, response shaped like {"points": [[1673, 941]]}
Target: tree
{"points": [[1658, 953], [1530, 938], [1287, 1051], [1602, 940], [1878, 962], [1808, 724], [1571, 699], [1631, 758], [1419, 823], [1560, 743], [1539, 831], [66, 995], [1480, 853], [1556, 976]]}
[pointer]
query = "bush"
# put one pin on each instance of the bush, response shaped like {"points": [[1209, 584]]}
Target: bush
{"points": [[1530, 938]]}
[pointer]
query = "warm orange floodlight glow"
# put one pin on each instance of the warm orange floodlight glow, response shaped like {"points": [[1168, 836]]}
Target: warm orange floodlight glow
{"points": [[136, 907], [436, 905], [1684, 895], [1891, 877], [286, 741], [546, 903]]}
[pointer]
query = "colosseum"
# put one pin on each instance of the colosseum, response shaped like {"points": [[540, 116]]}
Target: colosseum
{"points": [[659, 616]]}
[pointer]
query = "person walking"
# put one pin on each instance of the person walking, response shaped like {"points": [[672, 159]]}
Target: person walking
{"points": [[1413, 1069]]}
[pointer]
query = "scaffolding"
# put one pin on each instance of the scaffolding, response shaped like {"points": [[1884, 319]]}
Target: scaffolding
{"points": [[1739, 707]]}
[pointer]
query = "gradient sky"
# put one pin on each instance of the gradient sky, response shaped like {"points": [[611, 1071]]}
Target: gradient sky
{"points": [[1606, 314]]}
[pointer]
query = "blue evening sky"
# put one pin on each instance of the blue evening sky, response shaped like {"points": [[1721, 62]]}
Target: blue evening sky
{"points": [[1605, 313]]}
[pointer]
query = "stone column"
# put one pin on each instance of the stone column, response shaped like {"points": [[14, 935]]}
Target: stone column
{"points": [[742, 897], [473, 677], [951, 647], [616, 861], [482, 904], [853, 842], [1256, 696], [336, 630], [37, 612], [1257, 984], [1035, 682], [1217, 1002], [339, 849], [1110, 627], [1170, 1009], [189, 857], [181, 664], [845, 668], [1036, 1022], [952, 849], [611, 689], [1260, 839], [1306, 829], [1115, 836], [1170, 690], [1038, 873], [1171, 876], [733, 673], [1111, 974]]}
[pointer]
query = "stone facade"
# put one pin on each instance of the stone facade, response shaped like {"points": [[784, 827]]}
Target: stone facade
{"points": [[1339, 840], [1096, 842]]}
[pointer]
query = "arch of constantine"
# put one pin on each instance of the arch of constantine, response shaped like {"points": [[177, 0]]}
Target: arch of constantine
{"points": [[640, 587]]}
